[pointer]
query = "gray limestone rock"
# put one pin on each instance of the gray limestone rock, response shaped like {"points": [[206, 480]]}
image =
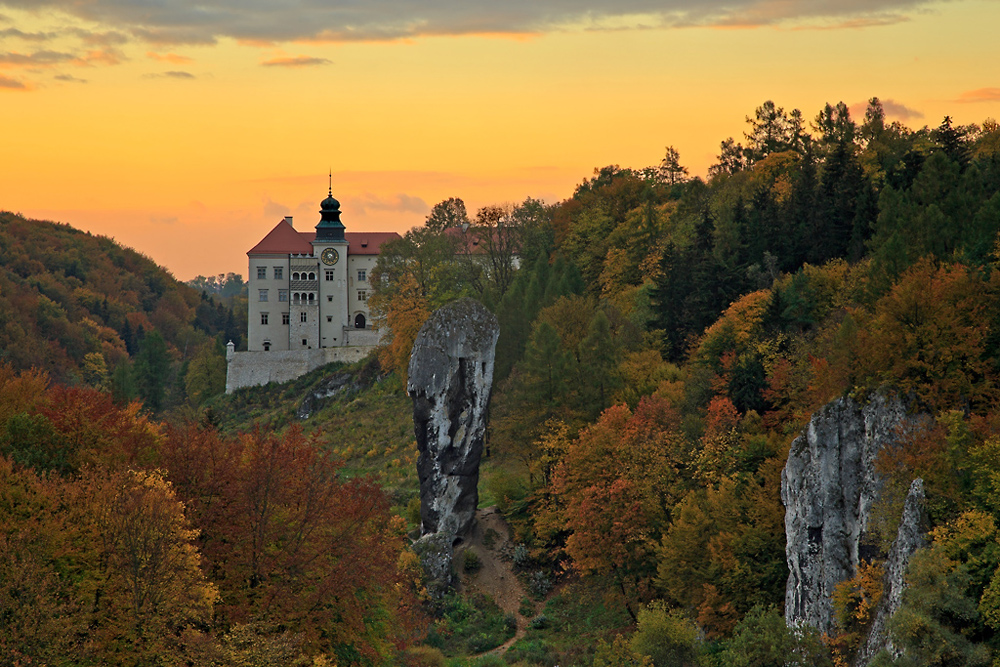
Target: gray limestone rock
{"points": [[450, 377], [909, 538], [436, 554], [828, 487]]}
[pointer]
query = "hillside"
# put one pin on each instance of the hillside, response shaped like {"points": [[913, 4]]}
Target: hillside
{"points": [[663, 342], [82, 308]]}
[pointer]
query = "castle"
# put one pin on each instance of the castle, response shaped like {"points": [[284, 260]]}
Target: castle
{"points": [[308, 299]]}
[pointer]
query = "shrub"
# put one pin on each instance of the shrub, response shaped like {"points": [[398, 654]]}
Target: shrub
{"points": [[470, 561]]}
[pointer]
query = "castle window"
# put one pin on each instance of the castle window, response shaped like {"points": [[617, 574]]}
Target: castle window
{"points": [[285, 318], [267, 346], [362, 277], [282, 295], [329, 318], [312, 276], [261, 272], [295, 276], [263, 318], [329, 298], [311, 297], [278, 273], [362, 295], [329, 274], [262, 295], [296, 297], [305, 342], [302, 317]]}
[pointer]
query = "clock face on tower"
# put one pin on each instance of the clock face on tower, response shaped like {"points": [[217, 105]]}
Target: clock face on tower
{"points": [[330, 256]]}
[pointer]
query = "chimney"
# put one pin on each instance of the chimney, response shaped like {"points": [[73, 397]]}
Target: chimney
{"points": [[288, 219]]}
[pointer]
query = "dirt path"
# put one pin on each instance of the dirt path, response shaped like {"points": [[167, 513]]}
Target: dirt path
{"points": [[491, 542]]}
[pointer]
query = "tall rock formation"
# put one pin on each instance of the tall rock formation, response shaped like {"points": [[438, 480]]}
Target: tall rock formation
{"points": [[828, 487], [451, 374]]}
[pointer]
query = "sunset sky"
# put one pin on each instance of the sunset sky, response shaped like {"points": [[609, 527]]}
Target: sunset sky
{"points": [[186, 129]]}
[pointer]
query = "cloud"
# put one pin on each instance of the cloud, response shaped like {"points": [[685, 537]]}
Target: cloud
{"points": [[205, 21], [27, 36], [38, 58], [169, 58], [173, 74], [295, 61], [163, 220], [401, 202], [893, 109], [7, 83], [273, 209], [980, 95], [71, 79], [97, 38]]}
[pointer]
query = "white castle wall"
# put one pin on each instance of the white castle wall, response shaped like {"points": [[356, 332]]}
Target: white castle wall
{"points": [[256, 367]]}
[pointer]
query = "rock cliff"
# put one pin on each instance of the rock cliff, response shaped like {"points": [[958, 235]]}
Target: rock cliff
{"points": [[828, 487], [450, 378]]}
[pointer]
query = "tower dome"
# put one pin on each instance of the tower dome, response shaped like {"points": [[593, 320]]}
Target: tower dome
{"points": [[330, 228]]}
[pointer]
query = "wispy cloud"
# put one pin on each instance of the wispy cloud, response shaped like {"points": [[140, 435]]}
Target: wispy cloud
{"points": [[980, 95], [205, 21], [169, 58], [398, 202], [173, 74], [295, 61], [6, 83], [36, 59], [69, 78], [893, 109], [8, 33]]}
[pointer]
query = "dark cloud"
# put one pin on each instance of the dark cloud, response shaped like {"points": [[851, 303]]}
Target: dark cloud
{"points": [[70, 79], [11, 84], [980, 95], [204, 21], [295, 61]]}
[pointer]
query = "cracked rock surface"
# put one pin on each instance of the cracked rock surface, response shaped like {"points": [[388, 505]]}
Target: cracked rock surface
{"points": [[450, 378]]}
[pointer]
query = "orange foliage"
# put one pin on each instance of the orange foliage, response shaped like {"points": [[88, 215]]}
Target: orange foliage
{"points": [[927, 336]]}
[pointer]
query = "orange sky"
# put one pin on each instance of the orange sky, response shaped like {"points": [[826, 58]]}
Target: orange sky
{"points": [[187, 132]]}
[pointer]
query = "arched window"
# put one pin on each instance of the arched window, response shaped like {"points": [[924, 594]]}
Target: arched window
{"points": [[312, 276], [296, 298], [359, 321], [311, 297], [295, 276]]}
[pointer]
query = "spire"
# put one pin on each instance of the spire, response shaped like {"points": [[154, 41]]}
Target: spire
{"points": [[330, 191]]}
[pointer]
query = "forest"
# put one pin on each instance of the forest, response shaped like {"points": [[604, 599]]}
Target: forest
{"points": [[663, 339]]}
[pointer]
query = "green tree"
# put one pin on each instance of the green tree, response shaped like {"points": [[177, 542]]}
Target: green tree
{"points": [[152, 366]]}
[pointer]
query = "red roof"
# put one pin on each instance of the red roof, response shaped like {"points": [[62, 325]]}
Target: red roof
{"points": [[284, 239], [367, 243]]}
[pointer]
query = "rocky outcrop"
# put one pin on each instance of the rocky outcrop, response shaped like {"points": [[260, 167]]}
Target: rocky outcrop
{"points": [[436, 553], [338, 385], [909, 538], [828, 487], [450, 377]]}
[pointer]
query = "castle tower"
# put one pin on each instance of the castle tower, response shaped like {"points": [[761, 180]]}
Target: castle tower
{"points": [[330, 248]]}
